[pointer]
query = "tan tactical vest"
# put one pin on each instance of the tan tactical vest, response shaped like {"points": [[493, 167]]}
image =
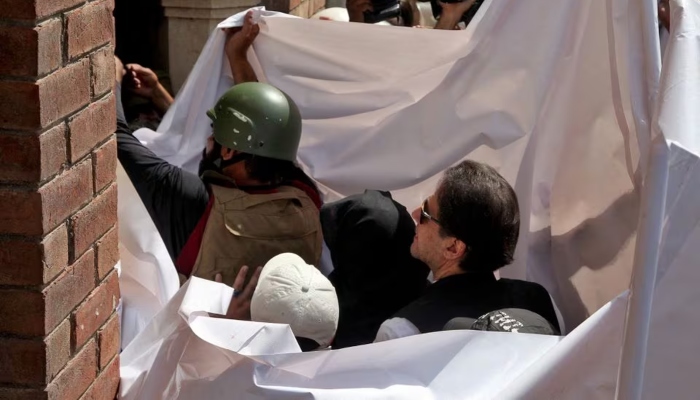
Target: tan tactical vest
{"points": [[250, 229]]}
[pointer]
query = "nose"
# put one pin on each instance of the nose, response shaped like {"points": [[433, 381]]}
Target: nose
{"points": [[210, 144], [416, 215]]}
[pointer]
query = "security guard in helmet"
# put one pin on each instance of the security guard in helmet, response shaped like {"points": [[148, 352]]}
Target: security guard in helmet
{"points": [[250, 201]]}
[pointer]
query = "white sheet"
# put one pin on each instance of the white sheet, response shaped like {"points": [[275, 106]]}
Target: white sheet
{"points": [[544, 100], [560, 102], [203, 357]]}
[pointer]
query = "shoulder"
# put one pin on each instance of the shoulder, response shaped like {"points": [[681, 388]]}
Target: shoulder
{"points": [[395, 328]]}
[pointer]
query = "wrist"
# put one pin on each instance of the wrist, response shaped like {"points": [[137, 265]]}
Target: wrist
{"points": [[161, 98], [448, 20], [238, 56]]}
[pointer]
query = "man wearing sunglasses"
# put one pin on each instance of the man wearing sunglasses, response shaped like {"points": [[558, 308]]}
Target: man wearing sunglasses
{"points": [[466, 231]]}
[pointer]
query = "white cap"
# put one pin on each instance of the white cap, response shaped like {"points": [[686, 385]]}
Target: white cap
{"points": [[293, 292]]}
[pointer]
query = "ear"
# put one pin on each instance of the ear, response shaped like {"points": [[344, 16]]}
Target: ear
{"points": [[454, 249], [226, 153]]}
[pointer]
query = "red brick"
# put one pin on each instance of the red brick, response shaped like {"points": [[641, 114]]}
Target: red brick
{"points": [[20, 261], [35, 105], [98, 307], [94, 220], [55, 253], [36, 361], [49, 7], [65, 91], [23, 394], [77, 376], [106, 385], [21, 211], [107, 253], [109, 341], [33, 262], [105, 164], [69, 289], [58, 349], [53, 151], [91, 126], [30, 51], [19, 105], [36, 9], [88, 27], [31, 158], [22, 361], [27, 212], [18, 9], [21, 312], [102, 64], [66, 193]]}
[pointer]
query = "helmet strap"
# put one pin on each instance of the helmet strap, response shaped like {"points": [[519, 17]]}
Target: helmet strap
{"points": [[214, 162], [234, 160]]}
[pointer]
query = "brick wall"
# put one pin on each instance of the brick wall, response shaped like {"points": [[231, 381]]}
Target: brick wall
{"points": [[59, 334]]}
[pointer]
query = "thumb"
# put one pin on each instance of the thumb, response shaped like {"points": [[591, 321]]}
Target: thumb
{"points": [[218, 278]]}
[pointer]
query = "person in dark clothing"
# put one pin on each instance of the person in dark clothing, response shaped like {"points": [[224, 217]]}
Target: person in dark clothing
{"points": [[250, 201], [369, 237], [466, 231]]}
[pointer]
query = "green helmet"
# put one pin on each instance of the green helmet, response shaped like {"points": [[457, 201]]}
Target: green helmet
{"points": [[257, 118]]}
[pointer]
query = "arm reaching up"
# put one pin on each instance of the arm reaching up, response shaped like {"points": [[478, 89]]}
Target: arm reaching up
{"points": [[238, 41]]}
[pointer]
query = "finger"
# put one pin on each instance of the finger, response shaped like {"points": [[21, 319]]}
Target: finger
{"points": [[240, 278], [250, 289], [134, 67], [218, 278], [248, 20]]}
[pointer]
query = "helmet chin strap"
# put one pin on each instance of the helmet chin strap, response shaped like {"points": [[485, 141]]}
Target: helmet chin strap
{"points": [[233, 160], [217, 163]]}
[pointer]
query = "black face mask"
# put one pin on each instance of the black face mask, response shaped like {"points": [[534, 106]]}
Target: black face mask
{"points": [[211, 161], [214, 162]]}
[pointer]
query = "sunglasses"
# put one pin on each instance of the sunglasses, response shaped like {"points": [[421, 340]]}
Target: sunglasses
{"points": [[424, 216]]}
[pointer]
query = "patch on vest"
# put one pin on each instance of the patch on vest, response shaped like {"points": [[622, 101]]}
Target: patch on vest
{"points": [[497, 321]]}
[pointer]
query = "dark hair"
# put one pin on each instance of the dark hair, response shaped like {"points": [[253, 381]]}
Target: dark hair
{"points": [[479, 207], [266, 169]]}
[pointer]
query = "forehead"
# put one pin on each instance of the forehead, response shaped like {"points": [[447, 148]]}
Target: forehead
{"points": [[431, 205]]}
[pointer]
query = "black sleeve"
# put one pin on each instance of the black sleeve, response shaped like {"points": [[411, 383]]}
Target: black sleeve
{"points": [[175, 199]]}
